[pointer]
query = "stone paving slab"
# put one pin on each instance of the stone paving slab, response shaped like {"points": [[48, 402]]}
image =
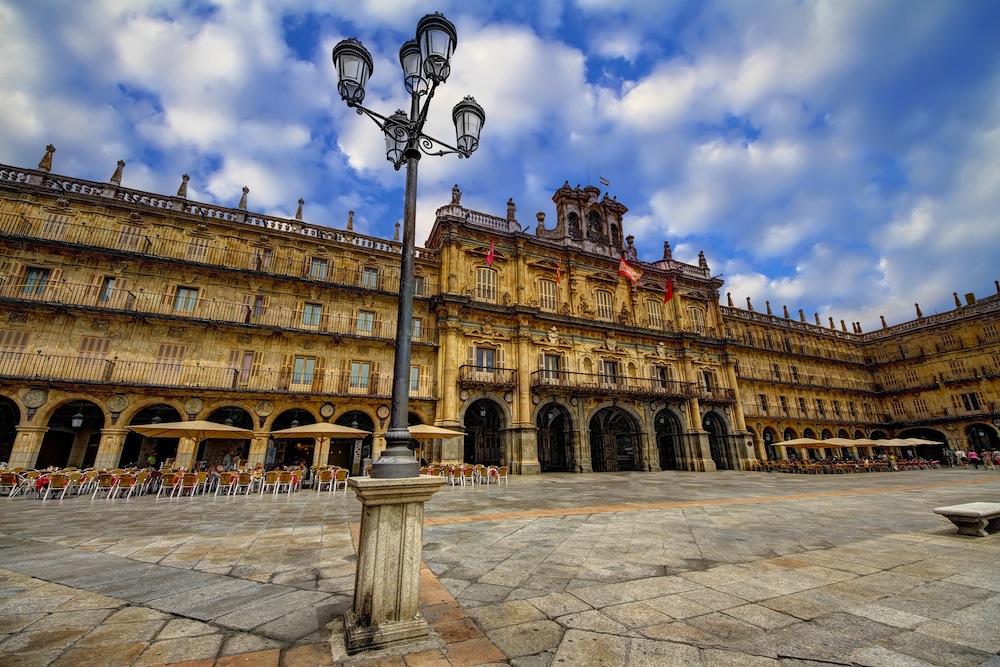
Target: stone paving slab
{"points": [[668, 568]]}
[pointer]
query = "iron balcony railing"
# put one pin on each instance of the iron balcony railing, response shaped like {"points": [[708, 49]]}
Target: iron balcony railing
{"points": [[612, 384], [214, 310], [187, 374], [141, 241], [486, 376]]}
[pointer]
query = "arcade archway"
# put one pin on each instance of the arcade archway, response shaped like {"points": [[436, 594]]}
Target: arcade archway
{"points": [[483, 428], [555, 439], [10, 417], [668, 439], [717, 441], [138, 448], [73, 437], [615, 443]]}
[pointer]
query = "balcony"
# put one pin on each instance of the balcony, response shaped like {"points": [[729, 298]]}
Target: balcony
{"points": [[486, 377], [139, 301], [595, 383], [188, 374], [716, 395]]}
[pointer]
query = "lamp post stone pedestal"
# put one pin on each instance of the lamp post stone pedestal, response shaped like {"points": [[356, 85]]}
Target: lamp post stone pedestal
{"points": [[387, 580]]}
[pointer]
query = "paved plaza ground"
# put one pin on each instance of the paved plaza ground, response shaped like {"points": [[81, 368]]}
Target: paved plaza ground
{"points": [[672, 568]]}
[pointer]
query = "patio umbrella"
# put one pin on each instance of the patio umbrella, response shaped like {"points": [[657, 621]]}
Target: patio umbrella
{"points": [[799, 442], [922, 441], [197, 430], [840, 442], [428, 432], [321, 431]]}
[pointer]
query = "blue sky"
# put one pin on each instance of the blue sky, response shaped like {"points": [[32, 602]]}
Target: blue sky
{"points": [[842, 157]]}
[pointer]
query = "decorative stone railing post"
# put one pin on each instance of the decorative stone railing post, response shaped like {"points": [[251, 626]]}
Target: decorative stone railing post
{"points": [[387, 581]]}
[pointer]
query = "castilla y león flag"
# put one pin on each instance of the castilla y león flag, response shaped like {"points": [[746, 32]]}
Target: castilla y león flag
{"points": [[489, 255], [629, 272]]}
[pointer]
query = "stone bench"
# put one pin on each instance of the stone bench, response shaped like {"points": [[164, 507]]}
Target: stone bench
{"points": [[977, 519]]}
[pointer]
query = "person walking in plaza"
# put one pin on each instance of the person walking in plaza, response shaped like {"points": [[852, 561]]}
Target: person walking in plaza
{"points": [[987, 460], [974, 458]]}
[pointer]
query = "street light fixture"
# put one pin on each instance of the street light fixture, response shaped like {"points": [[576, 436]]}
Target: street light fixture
{"points": [[426, 63]]}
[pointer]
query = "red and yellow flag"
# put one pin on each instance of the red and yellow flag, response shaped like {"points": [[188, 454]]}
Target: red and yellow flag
{"points": [[669, 293], [489, 255], [629, 272]]}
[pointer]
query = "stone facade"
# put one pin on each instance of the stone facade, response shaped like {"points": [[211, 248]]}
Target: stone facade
{"points": [[120, 307]]}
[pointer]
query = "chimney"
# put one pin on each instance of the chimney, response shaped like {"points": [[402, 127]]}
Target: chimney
{"points": [[970, 299]]}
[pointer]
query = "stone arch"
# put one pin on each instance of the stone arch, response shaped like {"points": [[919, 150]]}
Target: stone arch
{"points": [[137, 448], [789, 434], [769, 437], [213, 451], [342, 451], [67, 445], [826, 434], [556, 435], [668, 425], [10, 417], [615, 439], [485, 420], [981, 437], [718, 429]]}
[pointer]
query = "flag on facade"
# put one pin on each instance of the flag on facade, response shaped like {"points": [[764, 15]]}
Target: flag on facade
{"points": [[605, 182], [489, 255], [629, 272], [669, 293], [559, 271]]}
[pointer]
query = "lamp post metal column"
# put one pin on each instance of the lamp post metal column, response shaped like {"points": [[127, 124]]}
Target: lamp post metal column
{"points": [[387, 578], [426, 64]]}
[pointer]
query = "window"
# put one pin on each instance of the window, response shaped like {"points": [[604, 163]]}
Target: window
{"points": [[414, 379], [609, 372], [547, 295], [369, 278], [550, 365], [969, 401], [418, 328], [654, 312], [258, 306], [911, 377], [12, 345], [697, 319], [897, 409], [244, 365], [802, 407], [486, 284], [836, 409], [168, 360], [55, 226], [303, 370], [129, 237], [708, 380], [920, 406], [312, 314], [820, 410], [107, 289], [485, 359], [94, 347], [852, 408], [763, 403], [35, 280], [262, 259], [418, 286], [366, 322], [185, 299], [991, 334], [784, 404], [360, 374], [317, 269], [605, 305], [663, 375], [795, 374], [197, 250], [776, 370]]}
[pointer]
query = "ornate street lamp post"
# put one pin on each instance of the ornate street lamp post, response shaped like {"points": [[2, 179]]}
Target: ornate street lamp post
{"points": [[426, 64], [387, 577]]}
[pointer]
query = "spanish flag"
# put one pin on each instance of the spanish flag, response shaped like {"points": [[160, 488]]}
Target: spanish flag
{"points": [[629, 272]]}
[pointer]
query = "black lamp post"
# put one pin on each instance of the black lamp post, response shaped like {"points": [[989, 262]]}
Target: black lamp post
{"points": [[426, 64]]}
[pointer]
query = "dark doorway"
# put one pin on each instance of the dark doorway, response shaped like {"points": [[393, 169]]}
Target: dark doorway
{"points": [[483, 426], [717, 441], [614, 442], [555, 440], [668, 439]]}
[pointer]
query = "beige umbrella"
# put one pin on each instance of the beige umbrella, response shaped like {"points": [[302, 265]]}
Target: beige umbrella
{"points": [[197, 430], [840, 442], [921, 441], [428, 432], [799, 442], [321, 430]]}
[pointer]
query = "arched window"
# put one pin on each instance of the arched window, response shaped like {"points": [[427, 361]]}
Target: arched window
{"points": [[595, 228], [575, 232], [547, 295], [605, 305], [616, 237], [654, 313]]}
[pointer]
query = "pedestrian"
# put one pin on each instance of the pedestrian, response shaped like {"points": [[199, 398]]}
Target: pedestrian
{"points": [[987, 460], [974, 458]]}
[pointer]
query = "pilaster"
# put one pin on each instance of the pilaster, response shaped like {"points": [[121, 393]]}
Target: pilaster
{"points": [[109, 452]]}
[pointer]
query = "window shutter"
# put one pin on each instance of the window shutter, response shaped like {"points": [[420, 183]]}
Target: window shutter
{"points": [[120, 292], [234, 358], [319, 374], [299, 308], [345, 376], [53, 288], [95, 287], [169, 296], [16, 272], [472, 355], [375, 380], [285, 377], [541, 361], [500, 358]]}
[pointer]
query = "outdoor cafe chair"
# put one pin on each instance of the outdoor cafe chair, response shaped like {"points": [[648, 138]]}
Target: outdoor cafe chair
{"points": [[340, 479], [189, 482], [226, 482], [270, 481], [324, 477], [9, 482], [243, 483], [286, 480], [468, 476], [106, 484], [58, 483], [127, 484], [169, 482]]}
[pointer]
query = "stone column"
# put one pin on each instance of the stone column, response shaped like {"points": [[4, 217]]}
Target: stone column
{"points": [[185, 453], [258, 448], [527, 436], [26, 446], [387, 580], [109, 452]]}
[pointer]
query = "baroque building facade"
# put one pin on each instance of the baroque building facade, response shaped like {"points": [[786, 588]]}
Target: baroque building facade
{"points": [[120, 307]]}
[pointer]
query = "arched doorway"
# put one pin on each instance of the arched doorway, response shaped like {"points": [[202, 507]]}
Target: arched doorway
{"points": [[555, 439], [483, 426], [138, 448], [10, 417], [290, 451], [668, 439], [717, 441], [213, 451], [614, 441], [982, 437], [73, 437], [928, 451], [788, 434], [342, 451], [769, 437]]}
